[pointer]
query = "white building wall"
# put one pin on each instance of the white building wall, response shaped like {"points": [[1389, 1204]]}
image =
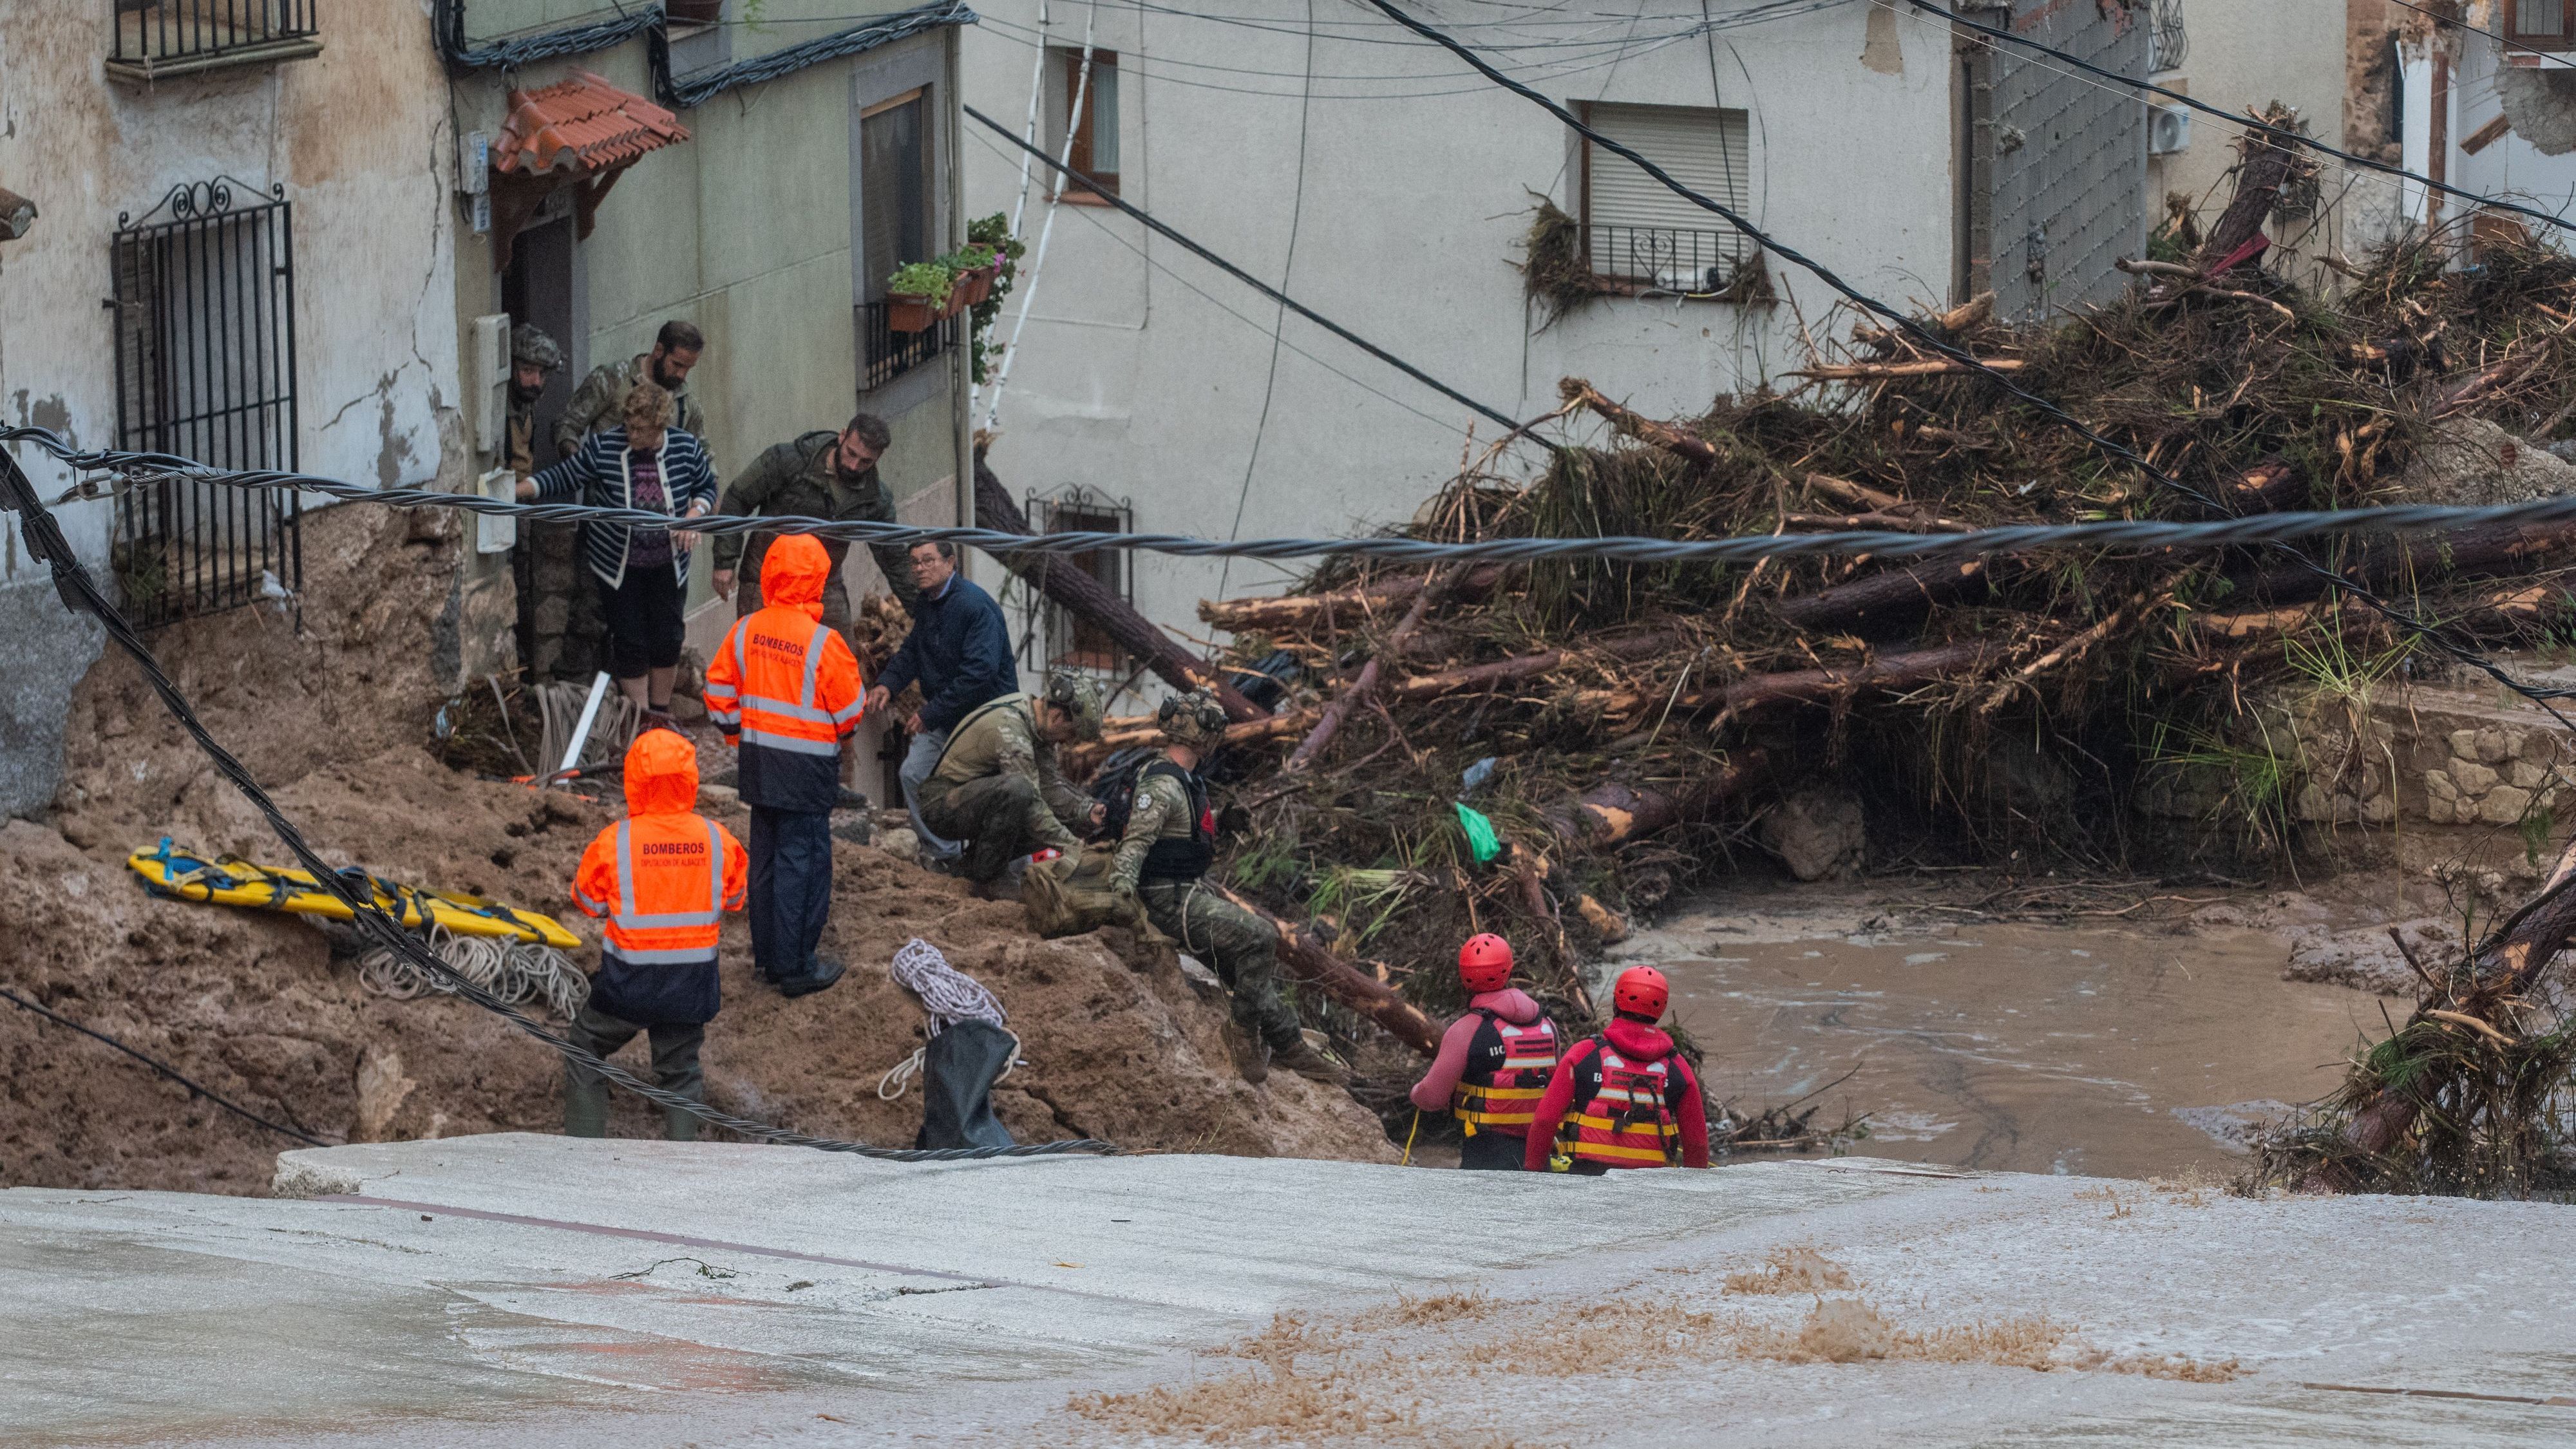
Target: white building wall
{"points": [[2511, 166], [1143, 370], [357, 136]]}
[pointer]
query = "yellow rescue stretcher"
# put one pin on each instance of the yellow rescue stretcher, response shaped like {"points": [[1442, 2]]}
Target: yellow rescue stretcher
{"points": [[230, 881]]}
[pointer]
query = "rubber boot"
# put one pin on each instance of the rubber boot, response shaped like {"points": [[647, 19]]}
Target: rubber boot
{"points": [[679, 1126], [585, 1108], [1249, 1057], [1311, 1064]]}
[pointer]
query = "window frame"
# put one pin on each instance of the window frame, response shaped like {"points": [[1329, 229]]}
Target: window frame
{"points": [[2564, 38], [1060, 642], [1079, 131], [1727, 245]]}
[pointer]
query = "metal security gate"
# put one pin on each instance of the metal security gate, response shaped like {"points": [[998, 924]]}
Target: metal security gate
{"points": [[205, 369]]}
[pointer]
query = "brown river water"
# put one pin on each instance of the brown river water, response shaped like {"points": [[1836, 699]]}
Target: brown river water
{"points": [[2016, 1047]]}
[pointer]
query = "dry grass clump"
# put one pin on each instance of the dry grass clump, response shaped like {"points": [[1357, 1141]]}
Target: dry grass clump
{"points": [[1850, 1330], [2190, 1187], [2120, 1207], [1279, 1406], [2181, 1368], [1792, 1269], [1408, 1311], [1621, 1335]]}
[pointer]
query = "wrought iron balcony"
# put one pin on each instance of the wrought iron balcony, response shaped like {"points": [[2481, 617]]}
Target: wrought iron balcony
{"points": [[1664, 259], [885, 354], [157, 39]]}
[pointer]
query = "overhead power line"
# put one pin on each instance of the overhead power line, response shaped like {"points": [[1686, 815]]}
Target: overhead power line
{"points": [[46, 544], [2244, 530], [195, 1087], [2284, 134], [1240, 275]]}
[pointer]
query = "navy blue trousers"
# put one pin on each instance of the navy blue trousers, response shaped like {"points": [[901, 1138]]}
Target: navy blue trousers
{"points": [[791, 890]]}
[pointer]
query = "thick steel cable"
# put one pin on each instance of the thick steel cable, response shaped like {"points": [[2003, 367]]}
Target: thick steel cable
{"points": [[2283, 134], [2243, 530], [1246, 278], [46, 543], [194, 1086]]}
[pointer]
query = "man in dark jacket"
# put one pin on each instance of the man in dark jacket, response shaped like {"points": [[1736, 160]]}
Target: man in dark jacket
{"points": [[959, 651]]}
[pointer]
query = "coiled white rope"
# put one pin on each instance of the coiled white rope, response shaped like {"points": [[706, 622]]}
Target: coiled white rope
{"points": [[948, 996], [515, 971]]}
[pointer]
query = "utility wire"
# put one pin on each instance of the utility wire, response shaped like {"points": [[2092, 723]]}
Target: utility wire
{"points": [[2283, 134], [1249, 280], [2236, 531], [195, 1087], [46, 544], [2557, 60]]}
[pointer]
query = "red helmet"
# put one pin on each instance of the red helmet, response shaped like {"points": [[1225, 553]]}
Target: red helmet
{"points": [[1642, 990], [1485, 963]]}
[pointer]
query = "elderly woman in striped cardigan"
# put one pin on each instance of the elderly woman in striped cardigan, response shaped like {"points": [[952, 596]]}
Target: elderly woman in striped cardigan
{"points": [[642, 573]]}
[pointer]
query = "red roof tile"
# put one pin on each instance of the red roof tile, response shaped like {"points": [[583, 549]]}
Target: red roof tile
{"points": [[580, 125]]}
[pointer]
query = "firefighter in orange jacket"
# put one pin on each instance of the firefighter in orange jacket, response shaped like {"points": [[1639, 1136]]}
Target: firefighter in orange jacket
{"points": [[1625, 1098], [784, 688], [662, 878]]}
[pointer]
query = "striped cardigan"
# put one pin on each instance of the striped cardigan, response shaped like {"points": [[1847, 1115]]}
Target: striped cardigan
{"points": [[597, 476]]}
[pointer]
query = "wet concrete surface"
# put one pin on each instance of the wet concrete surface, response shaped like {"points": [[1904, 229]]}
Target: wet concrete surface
{"points": [[2105, 1052]]}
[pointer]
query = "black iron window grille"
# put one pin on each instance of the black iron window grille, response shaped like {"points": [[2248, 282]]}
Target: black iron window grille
{"points": [[204, 310], [2168, 43], [1071, 639], [1667, 259], [172, 37], [885, 354]]}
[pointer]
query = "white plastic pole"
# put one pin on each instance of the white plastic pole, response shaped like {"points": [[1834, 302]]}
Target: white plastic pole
{"points": [[1029, 137], [581, 731], [1037, 259]]}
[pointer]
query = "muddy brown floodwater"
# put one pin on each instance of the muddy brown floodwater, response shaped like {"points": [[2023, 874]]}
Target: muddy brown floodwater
{"points": [[2026, 1048]]}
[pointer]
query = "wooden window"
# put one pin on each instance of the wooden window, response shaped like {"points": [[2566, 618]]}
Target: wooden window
{"points": [[2540, 24], [1635, 228], [1072, 639], [1095, 131]]}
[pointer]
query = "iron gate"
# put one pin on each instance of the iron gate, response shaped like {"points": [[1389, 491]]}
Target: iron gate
{"points": [[205, 369]]}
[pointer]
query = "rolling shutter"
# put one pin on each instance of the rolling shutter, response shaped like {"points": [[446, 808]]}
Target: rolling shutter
{"points": [[1639, 229]]}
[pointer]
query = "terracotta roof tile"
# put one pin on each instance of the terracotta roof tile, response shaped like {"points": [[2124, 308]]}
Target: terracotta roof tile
{"points": [[580, 125]]}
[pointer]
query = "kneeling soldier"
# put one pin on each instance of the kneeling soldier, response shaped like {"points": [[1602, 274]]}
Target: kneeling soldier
{"points": [[996, 787], [1162, 859], [663, 878]]}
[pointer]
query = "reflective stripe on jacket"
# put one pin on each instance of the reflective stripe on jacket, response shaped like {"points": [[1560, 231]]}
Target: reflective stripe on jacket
{"points": [[671, 902], [1628, 1119], [661, 879], [1507, 1070], [785, 687]]}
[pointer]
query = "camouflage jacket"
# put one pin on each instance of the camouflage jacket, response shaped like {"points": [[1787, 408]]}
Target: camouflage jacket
{"points": [[1002, 739], [801, 479], [600, 404], [1160, 811]]}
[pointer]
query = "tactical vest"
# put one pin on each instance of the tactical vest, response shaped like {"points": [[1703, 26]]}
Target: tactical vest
{"points": [[1177, 857], [1621, 1117], [1507, 1070]]}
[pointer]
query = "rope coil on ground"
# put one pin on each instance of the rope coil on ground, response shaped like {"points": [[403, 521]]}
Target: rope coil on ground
{"points": [[513, 971], [948, 996]]}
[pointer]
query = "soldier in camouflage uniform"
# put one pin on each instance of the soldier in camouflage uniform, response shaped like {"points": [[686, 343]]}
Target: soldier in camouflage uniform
{"points": [[1162, 859], [533, 355], [819, 475], [997, 787], [600, 402]]}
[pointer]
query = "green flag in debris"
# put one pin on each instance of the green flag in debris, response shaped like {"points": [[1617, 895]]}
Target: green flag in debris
{"points": [[1481, 839]]}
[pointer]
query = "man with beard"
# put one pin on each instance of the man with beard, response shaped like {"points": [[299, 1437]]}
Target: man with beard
{"points": [[819, 475], [533, 355], [600, 402]]}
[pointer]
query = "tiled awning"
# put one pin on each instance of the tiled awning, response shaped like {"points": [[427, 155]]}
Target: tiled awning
{"points": [[581, 126], [17, 214]]}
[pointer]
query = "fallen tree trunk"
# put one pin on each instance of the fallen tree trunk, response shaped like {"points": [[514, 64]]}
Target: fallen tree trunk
{"points": [[2268, 165], [1130, 730], [1306, 959], [1615, 812], [2489, 548], [1636, 425], [1320, 738], [1077, 590], [1305, 612], [1889, 595], [1817, 686], [1890, 371], [1474, 677]]}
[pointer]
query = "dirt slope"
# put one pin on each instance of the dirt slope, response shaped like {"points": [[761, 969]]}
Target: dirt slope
{"points": [[1120, 1045]]}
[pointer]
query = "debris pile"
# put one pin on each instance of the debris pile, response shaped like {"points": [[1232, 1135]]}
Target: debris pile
{"points": [[1626, 727]]}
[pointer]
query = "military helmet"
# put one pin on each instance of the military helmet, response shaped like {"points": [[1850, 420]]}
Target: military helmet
{"points": [[1076, 694], [530, 344], [1194, 719]]}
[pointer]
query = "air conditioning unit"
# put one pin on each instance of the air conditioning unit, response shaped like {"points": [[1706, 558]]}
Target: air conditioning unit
{"points": [[2168, 130]]}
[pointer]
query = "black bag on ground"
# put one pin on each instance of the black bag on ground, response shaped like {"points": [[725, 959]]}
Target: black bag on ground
{"points": [[958, 1069]]}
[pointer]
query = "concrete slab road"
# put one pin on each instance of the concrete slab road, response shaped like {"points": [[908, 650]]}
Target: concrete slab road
{"points": [[523, 1289]]}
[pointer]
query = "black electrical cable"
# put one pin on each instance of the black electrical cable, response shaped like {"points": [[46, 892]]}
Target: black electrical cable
{"points": [[47, 545], [2284, 134], [195, 1087], [1249, 280]]}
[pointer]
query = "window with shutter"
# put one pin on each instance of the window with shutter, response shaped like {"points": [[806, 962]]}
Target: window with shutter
{"points": [[1638, 230], [2540, 24]]}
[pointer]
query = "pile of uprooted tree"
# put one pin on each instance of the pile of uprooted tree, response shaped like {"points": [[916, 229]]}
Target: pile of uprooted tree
{"points": [[1620, 724]]}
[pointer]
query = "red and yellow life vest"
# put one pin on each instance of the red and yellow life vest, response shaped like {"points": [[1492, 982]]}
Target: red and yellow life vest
{"points": [[1627, 1121], [1507, 1070]]}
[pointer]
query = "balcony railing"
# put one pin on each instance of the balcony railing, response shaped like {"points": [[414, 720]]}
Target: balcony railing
{"points": [[1666, 259], [885, 354], [158, 38]]}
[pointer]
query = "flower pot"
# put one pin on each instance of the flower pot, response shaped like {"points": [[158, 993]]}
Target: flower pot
{"points": [[906, 312], [976, 285]]}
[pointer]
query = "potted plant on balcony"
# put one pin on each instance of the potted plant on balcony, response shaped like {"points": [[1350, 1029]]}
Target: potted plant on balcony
{"points": [[919, 295], [974, 266]]}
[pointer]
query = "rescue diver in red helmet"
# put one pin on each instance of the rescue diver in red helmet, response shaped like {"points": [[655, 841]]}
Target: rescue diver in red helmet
{"points": [[1625, 1098], [1494, 1061]]}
